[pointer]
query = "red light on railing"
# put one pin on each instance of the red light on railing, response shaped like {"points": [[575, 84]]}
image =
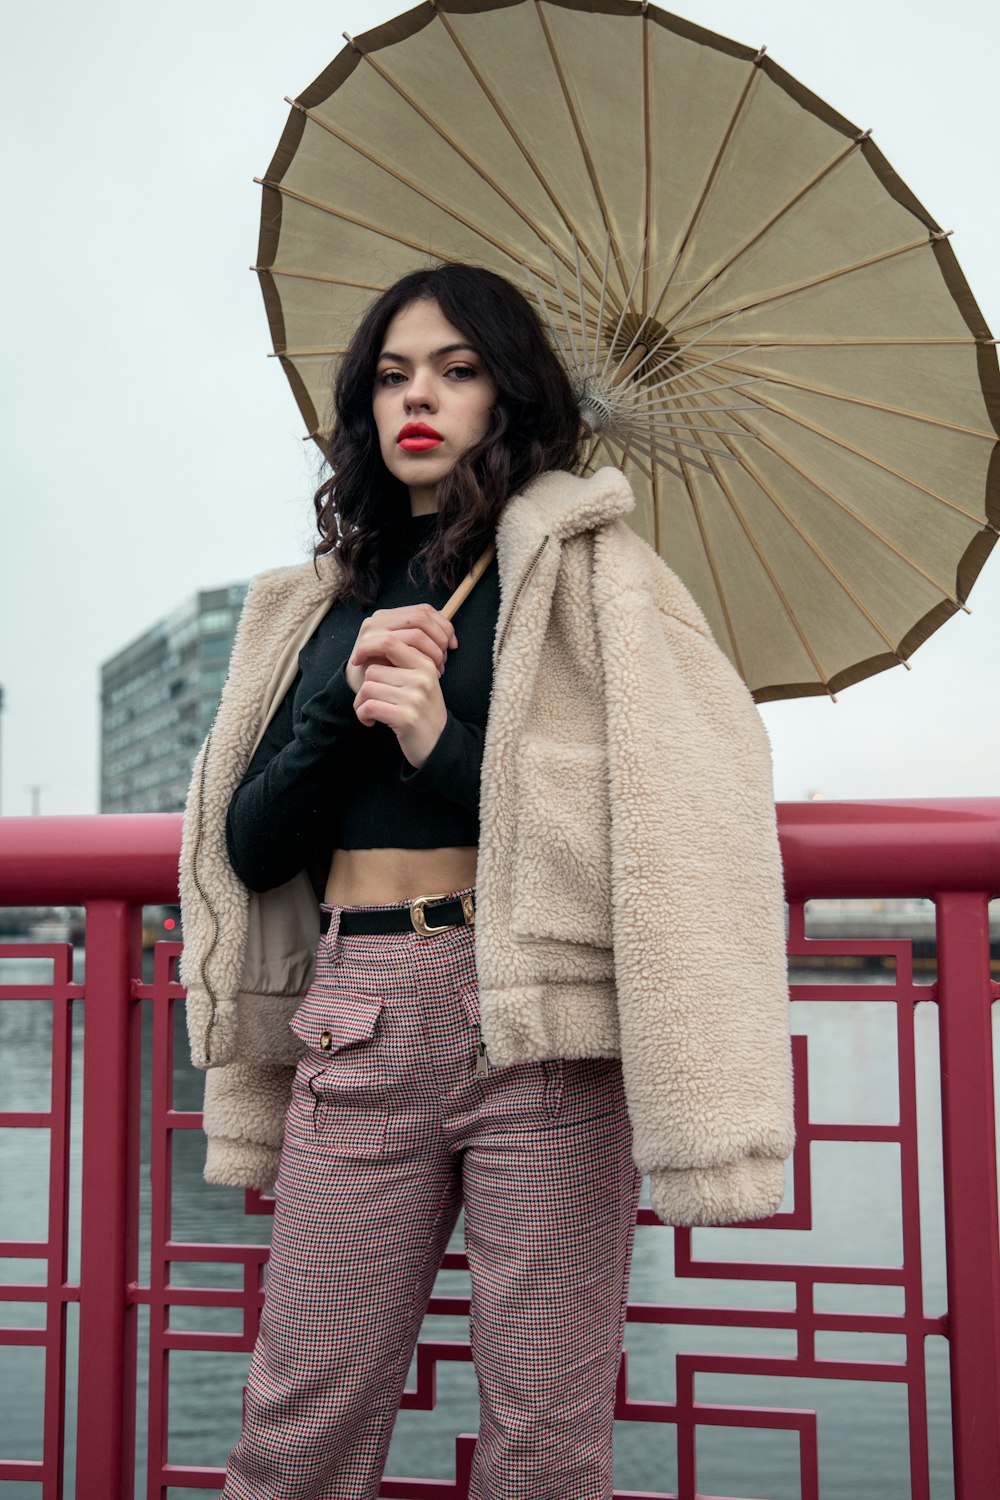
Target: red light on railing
{"points": [[169, 924]]}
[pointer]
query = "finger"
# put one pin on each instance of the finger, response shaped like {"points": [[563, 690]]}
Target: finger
{"points": [[436, 624], [418, 698], [401, 654], [375, 647], [371, 713], [386, 711], [420, 617], [382, 675], [374, 640]]}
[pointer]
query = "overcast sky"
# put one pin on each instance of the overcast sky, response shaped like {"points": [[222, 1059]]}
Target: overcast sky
{"points": [[151, 447]]}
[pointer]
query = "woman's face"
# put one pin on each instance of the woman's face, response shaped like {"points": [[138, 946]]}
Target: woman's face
{"points": [[432, 400]]}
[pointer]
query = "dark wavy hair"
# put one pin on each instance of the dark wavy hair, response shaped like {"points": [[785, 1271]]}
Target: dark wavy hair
{"points": [[534, 427]]}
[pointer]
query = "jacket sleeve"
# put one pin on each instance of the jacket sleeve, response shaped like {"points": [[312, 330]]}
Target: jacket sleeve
{"points": [[244, 1119], [697, 909]]}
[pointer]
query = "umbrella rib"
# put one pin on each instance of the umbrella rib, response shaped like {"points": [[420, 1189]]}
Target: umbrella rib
{"points": [[656, 411], [328, 351], [705, 364], [854, 343], [626, 302], [543, 307], [658, 421], [816, 550], [655, 488], [552, 301], [866, 401], [388, 234], [589, 456], [812, 282], [581, 303], [713, 568], [584, 151], [349, 218], [660, 447], [407, 182], [629, 452], [449, 140], [494, 103], [647, 148], [779, 591], [782, 411], [564, 309], [727, 264], [811, 479], [327, 280], [603, 301], [726, 385], [710, 180], [665, 338]]}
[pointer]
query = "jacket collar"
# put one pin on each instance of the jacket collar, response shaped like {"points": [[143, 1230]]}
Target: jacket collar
{"points": [[561, 505], [555, 507], [558, 505]]}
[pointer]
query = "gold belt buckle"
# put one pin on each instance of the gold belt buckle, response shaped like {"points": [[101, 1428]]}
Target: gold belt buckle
{"points": [[419, 919]]}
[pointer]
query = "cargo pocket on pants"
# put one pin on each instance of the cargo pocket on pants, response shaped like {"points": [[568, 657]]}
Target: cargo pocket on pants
{"points": [[341, 1079]]}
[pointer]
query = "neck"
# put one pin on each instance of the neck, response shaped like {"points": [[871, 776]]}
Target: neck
{"points": [[423, 502]]}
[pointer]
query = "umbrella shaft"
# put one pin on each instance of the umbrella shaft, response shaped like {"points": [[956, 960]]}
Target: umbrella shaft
{"points": [[627, 366]]}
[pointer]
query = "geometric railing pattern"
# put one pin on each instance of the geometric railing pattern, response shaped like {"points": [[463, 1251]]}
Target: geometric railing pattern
{"points": [[795, 1323]]}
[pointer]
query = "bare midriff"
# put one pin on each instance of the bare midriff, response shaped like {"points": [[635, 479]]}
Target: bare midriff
{"points": [[362, 877]]}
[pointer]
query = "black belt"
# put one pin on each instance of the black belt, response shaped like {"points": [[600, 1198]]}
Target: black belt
{"points": [[427, 915]]}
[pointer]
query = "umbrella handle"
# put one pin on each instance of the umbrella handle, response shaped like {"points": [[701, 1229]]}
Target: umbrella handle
{"points": [[469, 582]]}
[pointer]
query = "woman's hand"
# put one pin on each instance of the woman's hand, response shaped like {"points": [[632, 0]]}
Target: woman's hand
{"points": [[418, 625], [403, 690]]}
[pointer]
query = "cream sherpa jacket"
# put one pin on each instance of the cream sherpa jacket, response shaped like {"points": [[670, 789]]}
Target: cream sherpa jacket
{"points": [[629, 893]]}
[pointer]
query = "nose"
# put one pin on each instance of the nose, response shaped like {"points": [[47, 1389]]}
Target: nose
{"points": [[420, 393]]}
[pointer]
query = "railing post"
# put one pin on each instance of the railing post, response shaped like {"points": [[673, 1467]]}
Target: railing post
{"points": [[103, 1466], [972, 1238]]}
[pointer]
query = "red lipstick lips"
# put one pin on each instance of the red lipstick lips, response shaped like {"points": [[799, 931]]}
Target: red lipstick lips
{"points": [[417, 437]]}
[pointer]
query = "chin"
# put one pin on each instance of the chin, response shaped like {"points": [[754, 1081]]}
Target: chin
{"points": [[413, 473]]}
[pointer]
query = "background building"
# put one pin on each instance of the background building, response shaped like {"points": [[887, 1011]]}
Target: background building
{"points": [[158, 697]]}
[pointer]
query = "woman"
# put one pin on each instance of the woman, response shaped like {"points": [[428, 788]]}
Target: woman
{"points": [[513, 884]]}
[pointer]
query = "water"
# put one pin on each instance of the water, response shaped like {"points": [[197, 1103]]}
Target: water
{"points": [[862, 1432]]}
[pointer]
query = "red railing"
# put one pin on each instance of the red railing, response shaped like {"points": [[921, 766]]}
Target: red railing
{"points": [[948, 851]]}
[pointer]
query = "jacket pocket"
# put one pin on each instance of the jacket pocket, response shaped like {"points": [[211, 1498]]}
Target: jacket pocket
{"points": [[562, 846]]}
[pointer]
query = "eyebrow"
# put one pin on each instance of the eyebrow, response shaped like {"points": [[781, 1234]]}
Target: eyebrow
{"points": [[401, 359]]}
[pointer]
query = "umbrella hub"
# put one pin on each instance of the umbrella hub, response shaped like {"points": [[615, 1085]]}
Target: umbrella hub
{"points": [[635, 353]]}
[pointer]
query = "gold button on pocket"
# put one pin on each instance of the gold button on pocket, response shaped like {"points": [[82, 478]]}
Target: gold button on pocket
{"points": [[325, 1041]]}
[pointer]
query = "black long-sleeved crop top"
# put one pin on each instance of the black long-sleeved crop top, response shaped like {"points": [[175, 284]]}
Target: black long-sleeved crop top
{"points": [[320, 780]]}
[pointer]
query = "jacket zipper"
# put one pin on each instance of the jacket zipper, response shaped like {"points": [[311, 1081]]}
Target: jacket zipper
{"points": [[510, 614], [213, 998], [482, 1060], [204, 896]]}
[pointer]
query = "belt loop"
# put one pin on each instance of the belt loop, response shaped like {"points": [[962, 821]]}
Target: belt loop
{"points": [[333, 932]]}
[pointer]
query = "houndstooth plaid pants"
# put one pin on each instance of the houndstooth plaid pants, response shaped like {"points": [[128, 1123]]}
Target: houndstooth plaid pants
{"points": [[390, 1131]]}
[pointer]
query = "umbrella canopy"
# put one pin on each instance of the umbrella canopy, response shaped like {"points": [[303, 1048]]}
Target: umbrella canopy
{"points": [[767, 330]]}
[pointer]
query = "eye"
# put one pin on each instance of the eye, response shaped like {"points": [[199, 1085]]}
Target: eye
{"points": [[462, 372], [389, 377]]}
